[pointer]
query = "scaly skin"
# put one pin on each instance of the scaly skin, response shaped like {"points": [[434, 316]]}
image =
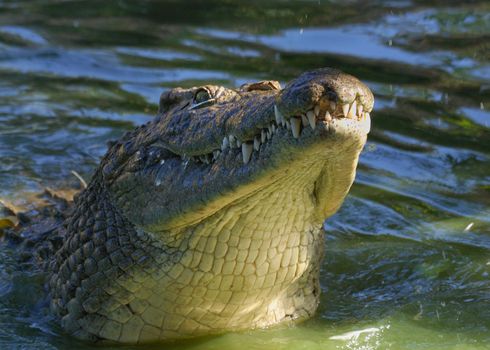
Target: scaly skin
{"points": [[182, 233]]}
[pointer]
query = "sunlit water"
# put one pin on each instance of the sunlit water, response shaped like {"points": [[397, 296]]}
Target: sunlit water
{"points": [[407, 257]]}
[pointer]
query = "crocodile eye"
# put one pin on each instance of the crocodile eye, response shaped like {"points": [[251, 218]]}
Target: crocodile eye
{"points": [[202, 96]]}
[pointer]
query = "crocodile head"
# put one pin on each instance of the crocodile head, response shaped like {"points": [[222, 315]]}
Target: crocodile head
{"points": [[209, 217], [212, 147]]}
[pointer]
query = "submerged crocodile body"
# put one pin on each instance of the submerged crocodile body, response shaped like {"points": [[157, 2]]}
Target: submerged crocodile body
{"points": [[209, 218]]}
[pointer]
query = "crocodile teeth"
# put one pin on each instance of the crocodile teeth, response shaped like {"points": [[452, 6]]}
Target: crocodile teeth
{"points": [[256, 143], [295, 124], [359, 109], [352, 110], [295, 127], [216, 154], [304, 120], [279, 116], [311, 119], [231, 140], [317, 110], [225, 144], [247, 149], [345, 109]]}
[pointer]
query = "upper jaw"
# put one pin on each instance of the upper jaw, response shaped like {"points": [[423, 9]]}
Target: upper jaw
{"points": [[324, 115], [320, 100], [325, 98]]}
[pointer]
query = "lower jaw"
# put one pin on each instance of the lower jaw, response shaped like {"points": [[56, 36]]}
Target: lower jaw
{"points": [[330, 143]]}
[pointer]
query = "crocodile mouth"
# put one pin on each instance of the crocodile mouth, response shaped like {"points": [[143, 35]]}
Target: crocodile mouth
{"points": [[325, 114], [196, 159]]}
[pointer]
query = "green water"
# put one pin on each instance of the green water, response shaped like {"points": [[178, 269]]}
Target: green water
{"points": [[407, 257]]}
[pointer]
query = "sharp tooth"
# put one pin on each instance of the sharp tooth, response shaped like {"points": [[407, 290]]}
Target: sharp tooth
{"points": [[317, 110], [288, 125], [279, 116], [247, 149], [216, 154], [333, 105], [263, 136], [345, 109], [304, 120], [295, 127], [273, 128], [231, 140], [352, 110], [328, 117], [256, 143], [225, 144], [311, 119], [238, 142], [269, 135], [359, 109]]}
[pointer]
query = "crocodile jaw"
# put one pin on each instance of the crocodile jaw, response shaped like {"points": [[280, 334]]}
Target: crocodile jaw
{"points": [[251, 142], [319, 177]]}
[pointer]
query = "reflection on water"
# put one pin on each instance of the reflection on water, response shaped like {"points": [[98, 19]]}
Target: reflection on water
{"points": [[407, 262]]}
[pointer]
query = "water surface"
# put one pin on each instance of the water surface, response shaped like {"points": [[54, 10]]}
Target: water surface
{"points": [[407, 257]]}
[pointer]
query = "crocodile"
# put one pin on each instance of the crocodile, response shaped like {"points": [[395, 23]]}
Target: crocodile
{"points": [[209, 218]]}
